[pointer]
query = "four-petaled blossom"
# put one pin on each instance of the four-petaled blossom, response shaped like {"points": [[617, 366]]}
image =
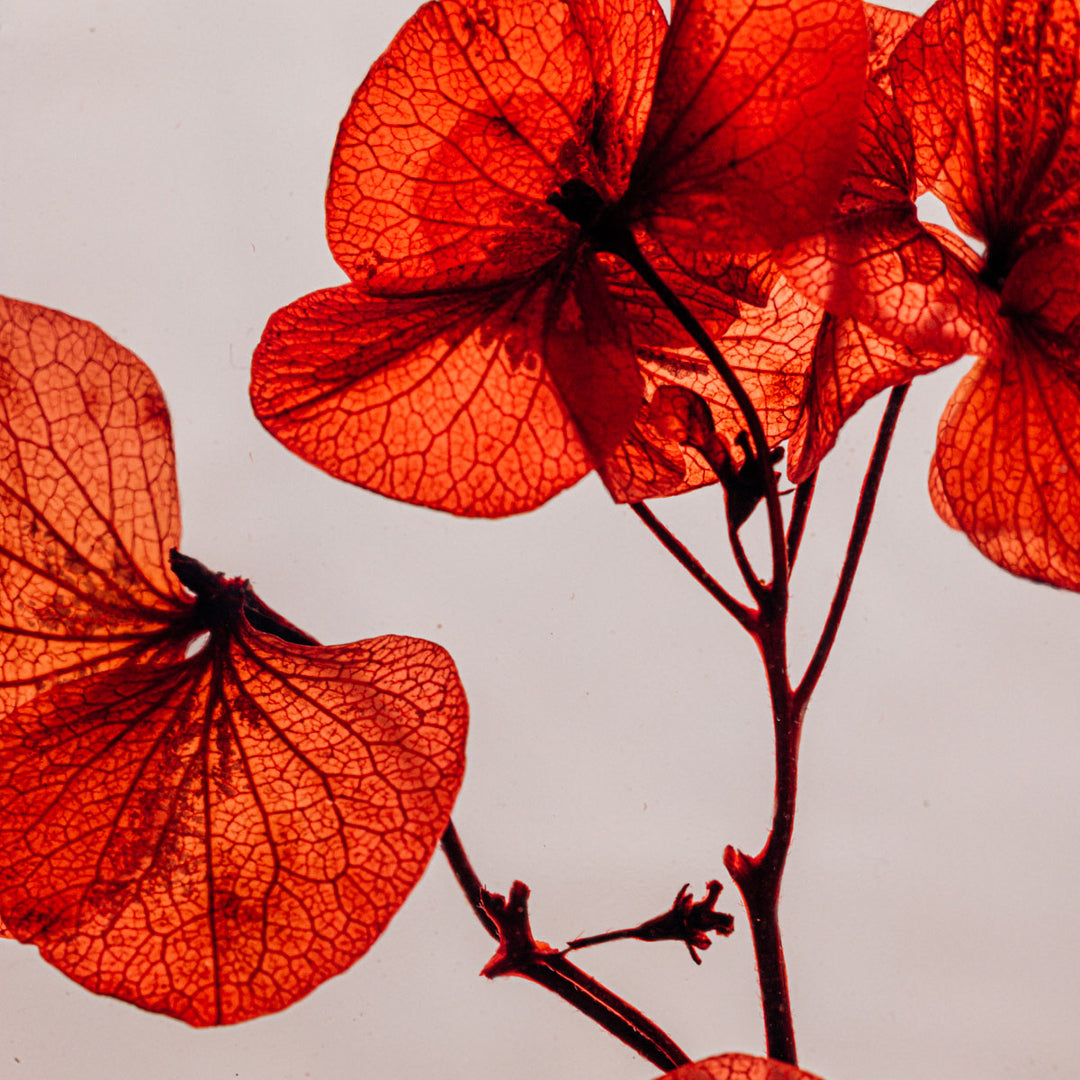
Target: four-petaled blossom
{"points": [[490, 350], [202, 810]]}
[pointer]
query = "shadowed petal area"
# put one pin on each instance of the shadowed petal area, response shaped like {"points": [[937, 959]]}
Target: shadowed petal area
{"points": [[213, 839], [1007, 469], [1043, 291], [737, 1067], [88, 503], [444, 401], [473, 116], [753, 122]]}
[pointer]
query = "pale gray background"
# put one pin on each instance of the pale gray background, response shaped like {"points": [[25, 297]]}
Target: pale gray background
{"points": [[162, 169]]}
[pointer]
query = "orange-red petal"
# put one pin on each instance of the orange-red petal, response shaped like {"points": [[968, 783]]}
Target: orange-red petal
{"points": [[886, 27], [88, 503], [887, 270], [663, 454], [474, 115], [990, 87], [483, 404], [214, 838], [1007, 470], [877, 263], [851, 364], [753, 122], [737, 1067], [770, 349]]}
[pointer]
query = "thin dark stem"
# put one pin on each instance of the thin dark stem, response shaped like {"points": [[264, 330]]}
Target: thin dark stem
{"points": [[599, 939], [609, 1010], [624, 245], [772, 979], [739, 612], [863, 513], [758, 876], [466, 876], [758, 591], [804, 496], [557, 974]]}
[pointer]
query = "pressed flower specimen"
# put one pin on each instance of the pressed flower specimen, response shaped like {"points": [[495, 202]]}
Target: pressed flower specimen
{"points": [[491, 350], [202, 810]]}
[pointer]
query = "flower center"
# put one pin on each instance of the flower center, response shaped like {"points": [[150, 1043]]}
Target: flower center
{"points": [[582, 204]]}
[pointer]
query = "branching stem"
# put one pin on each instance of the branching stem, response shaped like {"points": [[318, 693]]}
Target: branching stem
{"points": [[863, 513], [758, 877], [518, 954], [746, 618], [625, 246]]}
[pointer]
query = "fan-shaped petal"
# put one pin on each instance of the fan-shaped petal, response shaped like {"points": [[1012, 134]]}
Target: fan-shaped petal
{"points": [[212, 839], [88, 503], [483, 404], [1007, 471], [753, 122], [209, 835]]}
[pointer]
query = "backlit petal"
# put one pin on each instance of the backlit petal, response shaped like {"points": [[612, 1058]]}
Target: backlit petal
{"points": [[753, 121], [1007, 469], [442, 401]]}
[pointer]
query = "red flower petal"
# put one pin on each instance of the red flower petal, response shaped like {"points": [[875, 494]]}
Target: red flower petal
{"points": [[1006, 470], [770, 349], [877, 263], [210, 835], [886, 27], [737, 1067], [445, 401], [892, 274], [753, 120], [663, 455], [88, 503], [990, 87], [690, 421], [851, 364], [475, 114], [213, 839]]}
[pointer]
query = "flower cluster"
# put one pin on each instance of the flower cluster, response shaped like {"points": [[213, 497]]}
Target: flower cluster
{"points": [[577, 238], [493, 345]]}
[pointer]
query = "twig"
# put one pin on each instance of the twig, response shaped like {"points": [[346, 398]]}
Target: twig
{"points": [[739, 612], [507, 921], [863, 513]]}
